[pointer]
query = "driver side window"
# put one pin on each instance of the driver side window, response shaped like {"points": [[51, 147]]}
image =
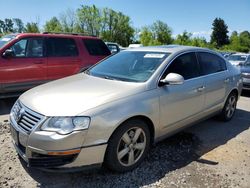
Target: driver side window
{"points": [[186, 65], [19, 48], [32, 47]]}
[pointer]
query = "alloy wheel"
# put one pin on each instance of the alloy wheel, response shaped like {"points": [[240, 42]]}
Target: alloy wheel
{"points": [[131, 146]]}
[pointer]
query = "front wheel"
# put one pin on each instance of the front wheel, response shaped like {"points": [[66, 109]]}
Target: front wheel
{"points": [[128, 146], [229, 107]]}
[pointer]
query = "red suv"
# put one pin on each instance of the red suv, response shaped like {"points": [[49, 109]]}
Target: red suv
{"points": [[27, 60]]}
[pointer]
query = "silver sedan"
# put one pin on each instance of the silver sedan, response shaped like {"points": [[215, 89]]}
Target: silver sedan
{"points": [[115, 110]]}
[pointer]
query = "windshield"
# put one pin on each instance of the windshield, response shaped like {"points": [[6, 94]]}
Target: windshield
{"points": [[237, 58], [5, 39], [130, 66]]}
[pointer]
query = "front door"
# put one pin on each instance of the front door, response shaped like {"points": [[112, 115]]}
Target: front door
{"points": [[184, 101], [26, 68]]}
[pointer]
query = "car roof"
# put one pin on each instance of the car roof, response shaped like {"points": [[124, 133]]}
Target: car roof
{"points": [[167, 48], [73, 35]]}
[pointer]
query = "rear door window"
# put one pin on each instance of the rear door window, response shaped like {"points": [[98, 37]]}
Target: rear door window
{"points": [[96, 47], [61, 47], [211, 63]]}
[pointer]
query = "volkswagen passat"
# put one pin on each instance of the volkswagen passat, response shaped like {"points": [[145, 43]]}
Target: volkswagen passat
{"points": [[113, 112]]}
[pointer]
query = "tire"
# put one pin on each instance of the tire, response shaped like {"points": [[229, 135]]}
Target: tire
{"points": [[128, 146], [229, 107]]}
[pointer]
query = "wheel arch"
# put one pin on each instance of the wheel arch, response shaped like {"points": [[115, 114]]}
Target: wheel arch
{"points": [[143, 118]]}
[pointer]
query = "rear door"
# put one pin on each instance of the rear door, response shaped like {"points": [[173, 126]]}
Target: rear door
{"points": [[216, 78], [26, 68], [63, 57]]}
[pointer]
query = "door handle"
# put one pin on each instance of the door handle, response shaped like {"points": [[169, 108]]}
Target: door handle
{"points": [[200, 89], [226, 80]]}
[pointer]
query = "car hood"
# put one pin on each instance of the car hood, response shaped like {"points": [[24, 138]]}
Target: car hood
{"points": [[76, 94], [245, 69]]}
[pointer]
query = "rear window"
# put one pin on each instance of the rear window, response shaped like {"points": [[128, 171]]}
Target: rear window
{"points": [[211, 63], [96, 47], [61, 47]]}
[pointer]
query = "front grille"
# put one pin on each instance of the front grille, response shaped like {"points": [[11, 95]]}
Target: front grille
{"points": [[48, 161], [25, 118]]}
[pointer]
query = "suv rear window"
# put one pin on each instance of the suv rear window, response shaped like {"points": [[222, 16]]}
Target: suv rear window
{"points": [[61, 47], [96, 47]]}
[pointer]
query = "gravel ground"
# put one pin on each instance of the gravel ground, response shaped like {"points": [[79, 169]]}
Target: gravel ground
{"points": [[209, 154]]}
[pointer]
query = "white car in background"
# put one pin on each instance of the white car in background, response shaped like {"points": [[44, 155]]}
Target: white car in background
{"points": [[135, 45], [239, 59]]}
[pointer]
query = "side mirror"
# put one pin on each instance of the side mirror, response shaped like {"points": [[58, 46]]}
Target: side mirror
{"points": [[172, 79], [8, 53]]}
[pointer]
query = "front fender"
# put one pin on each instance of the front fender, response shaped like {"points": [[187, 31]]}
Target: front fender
{"points": [[106, 118]]}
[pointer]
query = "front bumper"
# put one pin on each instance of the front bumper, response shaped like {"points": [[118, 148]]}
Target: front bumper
{"points": [[35, 149]]}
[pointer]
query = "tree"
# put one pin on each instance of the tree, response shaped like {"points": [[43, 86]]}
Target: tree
{"points": [[239, 42], [19, 26], [68, 21], [106, 23], [116, 27], [162, 32], [90, 19], [219, 34], [53, 25], [32, 27], [159, 33], [146, 36], [183, 39], [8, 26], [2, 25]]}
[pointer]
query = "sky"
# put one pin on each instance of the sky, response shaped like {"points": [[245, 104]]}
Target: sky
{"points": [[194, 16]]}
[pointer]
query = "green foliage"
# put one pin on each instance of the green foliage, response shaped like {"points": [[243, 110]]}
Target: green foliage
{"points": [[68, 21], [219, 35], [116, 27], [159, 33], [239, 42], [183, 39], [162, 32], [106, 23], [18, 25], [53, 25], [32, 27]]}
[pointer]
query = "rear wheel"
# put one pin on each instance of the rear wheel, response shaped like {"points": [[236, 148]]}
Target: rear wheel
{"points": [[229, 107], [128, 146]]}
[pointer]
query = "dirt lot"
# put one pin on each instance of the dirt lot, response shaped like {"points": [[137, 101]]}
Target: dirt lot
{"points": [[209, 154]]}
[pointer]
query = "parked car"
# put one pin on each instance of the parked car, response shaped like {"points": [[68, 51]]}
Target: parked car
{"points": [[115, 110], [27, 60], [245, 71], [239, 58], [114, 47]]}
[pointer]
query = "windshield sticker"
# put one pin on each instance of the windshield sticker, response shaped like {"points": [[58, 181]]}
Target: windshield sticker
{"points": [[243, 56], [6, 39], [154, 55]]}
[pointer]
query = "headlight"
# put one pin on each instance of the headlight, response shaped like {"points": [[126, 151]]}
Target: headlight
{"points": [[66, 125], [245, 74]]}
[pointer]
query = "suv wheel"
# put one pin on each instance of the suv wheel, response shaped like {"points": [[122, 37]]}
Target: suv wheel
{"points": [[229, 107], [128, 146]]}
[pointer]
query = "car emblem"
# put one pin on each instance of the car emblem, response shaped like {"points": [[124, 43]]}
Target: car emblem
{"points": [[20, 115]]}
